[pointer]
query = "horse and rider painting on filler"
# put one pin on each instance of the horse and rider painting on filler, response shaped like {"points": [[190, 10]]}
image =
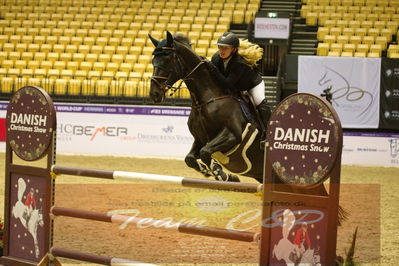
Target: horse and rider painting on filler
{"points": [[26, 203]]}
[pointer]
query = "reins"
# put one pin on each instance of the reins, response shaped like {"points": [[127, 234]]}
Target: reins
{"points": [[165, 86]]}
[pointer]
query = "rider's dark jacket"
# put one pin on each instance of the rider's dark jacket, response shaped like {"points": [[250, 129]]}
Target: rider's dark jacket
{"points": [[238, 75]]}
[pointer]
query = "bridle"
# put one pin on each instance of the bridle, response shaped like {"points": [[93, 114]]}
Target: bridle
{"points": [[165, 86]]}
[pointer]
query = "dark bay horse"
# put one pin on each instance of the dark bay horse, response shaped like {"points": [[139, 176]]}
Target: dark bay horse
{"points": [[221, 131]]}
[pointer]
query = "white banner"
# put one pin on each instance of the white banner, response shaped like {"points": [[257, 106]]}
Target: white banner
{"points": [[123, 135], [355, 86], [272, 28], [149, 131], [369, 149]]}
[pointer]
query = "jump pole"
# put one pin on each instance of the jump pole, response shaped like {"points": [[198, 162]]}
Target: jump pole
{"points": [[104, 260], [179, 227], [160, 179]]}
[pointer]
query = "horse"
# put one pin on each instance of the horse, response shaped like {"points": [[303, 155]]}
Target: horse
{"points": [[223, 133], [19, 211]]}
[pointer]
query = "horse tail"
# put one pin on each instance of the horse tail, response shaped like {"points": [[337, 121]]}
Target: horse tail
{"points": [[251, 52]]}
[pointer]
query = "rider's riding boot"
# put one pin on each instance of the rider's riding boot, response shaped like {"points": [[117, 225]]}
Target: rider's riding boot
{"points": [[264, 114]]}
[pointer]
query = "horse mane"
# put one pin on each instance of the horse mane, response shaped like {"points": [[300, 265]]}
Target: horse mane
{"points": [[183, 39], [251, 52]]}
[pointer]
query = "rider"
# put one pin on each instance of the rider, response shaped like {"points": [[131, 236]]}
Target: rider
{"points": [[30, 204], [302, 238], [235, 69]]}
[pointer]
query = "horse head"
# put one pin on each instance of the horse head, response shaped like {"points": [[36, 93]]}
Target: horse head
{"points": [[165, 73], [173, 59]]}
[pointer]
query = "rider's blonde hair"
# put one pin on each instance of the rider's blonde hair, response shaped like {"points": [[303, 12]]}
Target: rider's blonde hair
{"points": [[251, 52]]}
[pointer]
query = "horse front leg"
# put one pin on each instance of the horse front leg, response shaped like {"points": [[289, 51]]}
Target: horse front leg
{"points": [[193, 160], [223, 142]]}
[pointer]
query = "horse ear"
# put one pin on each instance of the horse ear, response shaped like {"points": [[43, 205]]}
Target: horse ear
{"points": [[169, 38], [153, 40]]}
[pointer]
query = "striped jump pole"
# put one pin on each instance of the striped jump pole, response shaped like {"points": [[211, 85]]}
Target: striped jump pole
{"points": [[104, 260], [161, 179], [179, 227]]}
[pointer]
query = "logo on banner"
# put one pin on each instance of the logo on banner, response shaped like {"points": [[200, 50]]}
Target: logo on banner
{"points": [[166, 135], [343, 90], [394, 146], [92, 131], [168, 129], [388, 72]]}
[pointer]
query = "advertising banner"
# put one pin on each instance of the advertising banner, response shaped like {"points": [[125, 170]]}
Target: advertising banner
{"points": [[389, 117], [354, 83], [371, 149], [163, 132], [272, 28], [123, 130], [152, 131]]}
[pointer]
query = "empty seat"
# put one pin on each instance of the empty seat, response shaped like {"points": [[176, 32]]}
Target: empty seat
{"points": [[104, 58], [84, 65], [336, 47], [102, 87], [349, 47], [329, 39], [53, 56], [382, 40], [362, 48], [60, 86], [376, 48], [331, 53], [78, 57], [373, 54], [73, 66], [112, 67], [347, 54], [393, 48], [109, 49]]}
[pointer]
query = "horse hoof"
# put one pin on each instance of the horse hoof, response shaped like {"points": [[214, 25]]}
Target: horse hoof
{"points": [[233, 178]]}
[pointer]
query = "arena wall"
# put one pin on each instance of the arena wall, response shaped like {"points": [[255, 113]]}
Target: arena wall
{"points": [[158, 131]]}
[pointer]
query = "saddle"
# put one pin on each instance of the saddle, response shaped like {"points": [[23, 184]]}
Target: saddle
{"points": [[249, 110]]}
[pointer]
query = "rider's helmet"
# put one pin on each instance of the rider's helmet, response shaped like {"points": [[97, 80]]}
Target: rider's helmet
{"points": [[228, 39]]}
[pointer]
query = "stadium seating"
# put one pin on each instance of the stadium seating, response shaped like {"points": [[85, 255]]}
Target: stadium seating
{"points": [[66, 41], [367, 25]]}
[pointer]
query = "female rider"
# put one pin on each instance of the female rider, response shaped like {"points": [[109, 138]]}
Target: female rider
{"points": [[235, 69]]}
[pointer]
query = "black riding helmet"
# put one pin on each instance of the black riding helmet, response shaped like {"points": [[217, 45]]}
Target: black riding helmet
{"points": [[229, 39]]}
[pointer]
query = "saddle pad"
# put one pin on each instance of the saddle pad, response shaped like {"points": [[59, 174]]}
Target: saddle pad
{"points": [[236, 160]]}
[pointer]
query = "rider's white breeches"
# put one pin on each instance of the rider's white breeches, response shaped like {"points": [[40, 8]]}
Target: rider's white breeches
{"points": [[258, 93]]}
